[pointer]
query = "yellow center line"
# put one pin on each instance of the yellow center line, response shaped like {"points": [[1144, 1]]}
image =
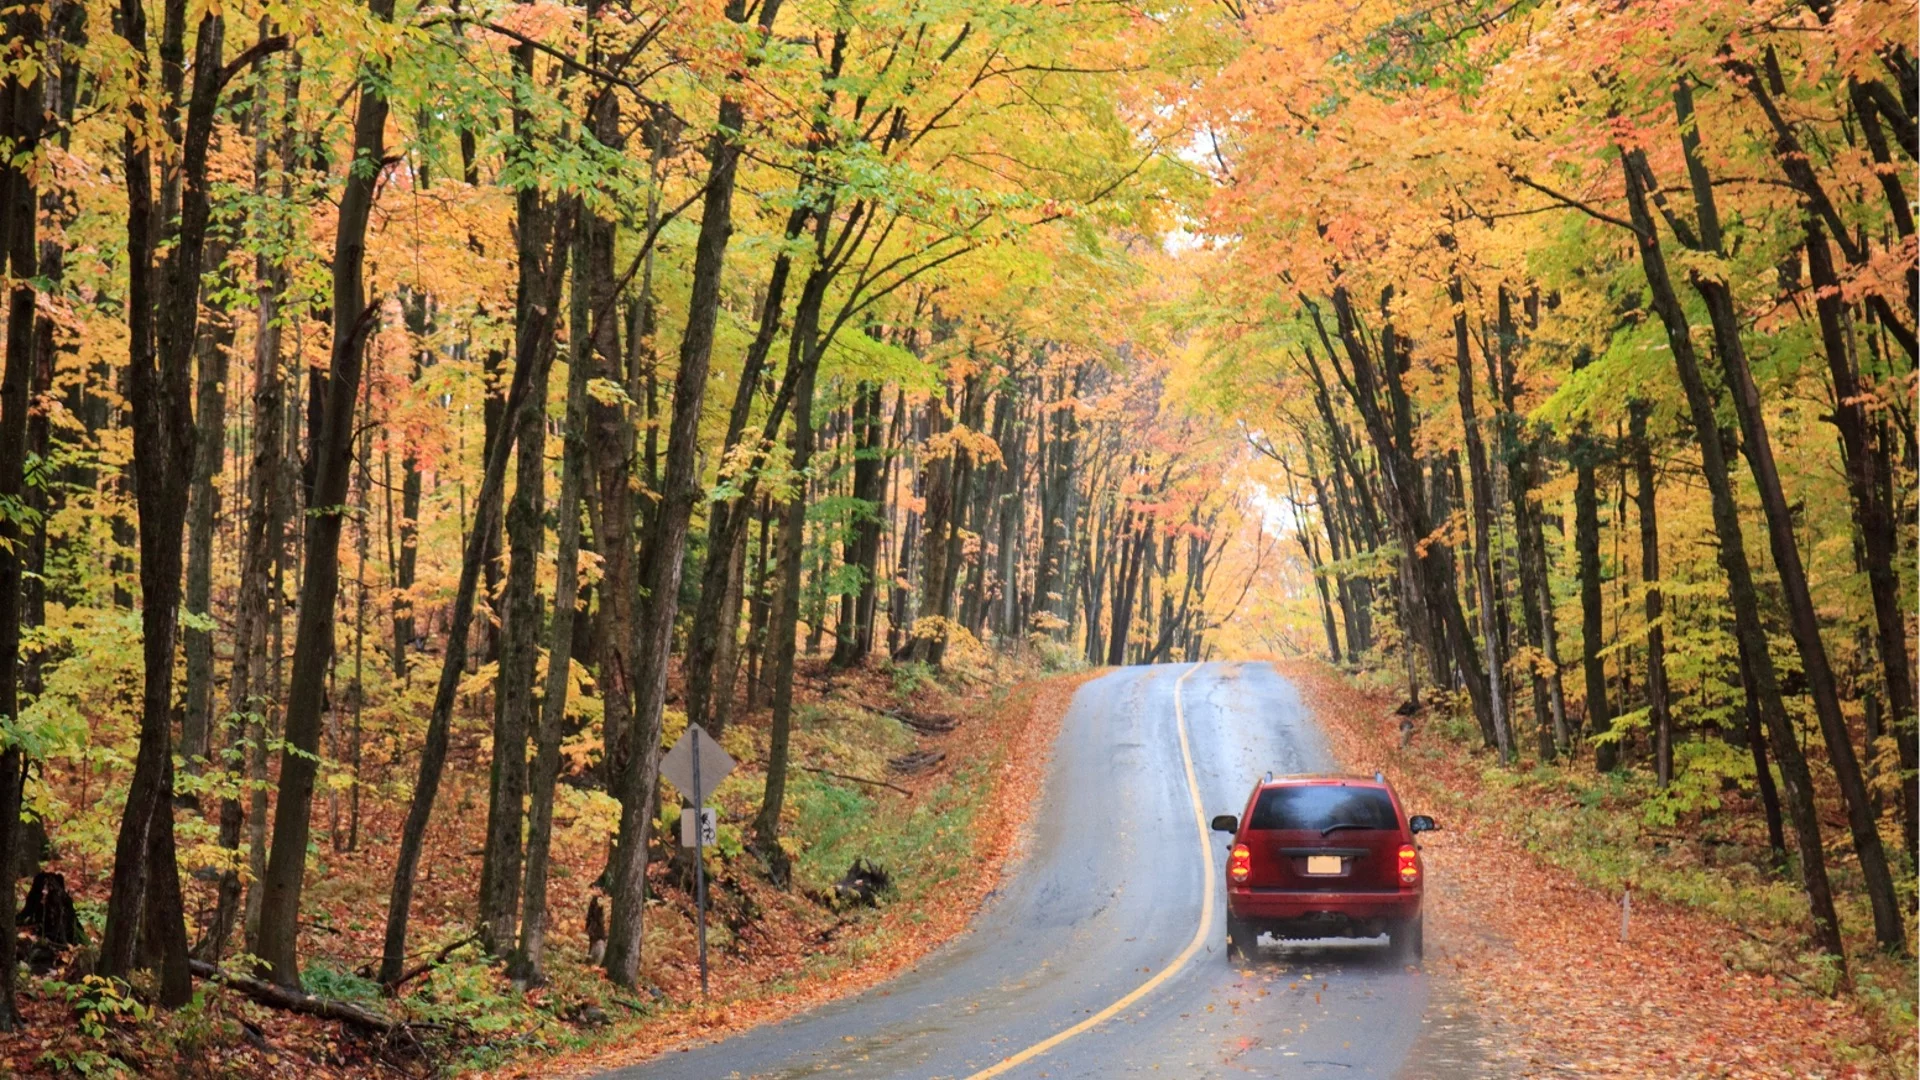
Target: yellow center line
{"points": [[1200, 936]]}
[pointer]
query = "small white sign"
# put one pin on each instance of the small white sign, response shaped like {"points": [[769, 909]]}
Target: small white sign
{"points": [[709, 825]]}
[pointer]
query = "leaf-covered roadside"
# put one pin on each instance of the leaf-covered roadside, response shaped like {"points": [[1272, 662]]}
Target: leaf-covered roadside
{"points": [[773, 951], [1527, 922], [991, 778]]}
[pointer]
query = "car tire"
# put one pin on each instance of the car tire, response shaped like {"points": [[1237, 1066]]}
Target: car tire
{"points": [[1243, 940], [1407, 939]]}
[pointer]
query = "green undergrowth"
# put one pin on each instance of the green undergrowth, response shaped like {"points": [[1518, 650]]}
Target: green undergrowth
{"points": [[1587, 823], [920, 846]]}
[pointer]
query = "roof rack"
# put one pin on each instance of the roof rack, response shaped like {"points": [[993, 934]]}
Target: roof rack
{"points": [[1269, 776], [1379, 777]]}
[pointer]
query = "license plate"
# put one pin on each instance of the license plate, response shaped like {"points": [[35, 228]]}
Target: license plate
{"points": [[1323, 864]]}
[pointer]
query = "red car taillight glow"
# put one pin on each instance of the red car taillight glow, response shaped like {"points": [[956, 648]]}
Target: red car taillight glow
{"points": [[1239, 863], [1409, 865]]}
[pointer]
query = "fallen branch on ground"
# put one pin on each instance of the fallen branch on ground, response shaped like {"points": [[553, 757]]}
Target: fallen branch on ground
{"points": [[438, 959], [925, 725], [279, 997], [917, 762], [846, 776]]}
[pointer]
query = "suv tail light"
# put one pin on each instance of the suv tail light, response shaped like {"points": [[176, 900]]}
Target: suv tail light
{"points": [[1409, 865], [1239, 863]]}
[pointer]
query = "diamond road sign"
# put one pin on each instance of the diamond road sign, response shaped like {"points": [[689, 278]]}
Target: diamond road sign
{"points": [[677, 765]]}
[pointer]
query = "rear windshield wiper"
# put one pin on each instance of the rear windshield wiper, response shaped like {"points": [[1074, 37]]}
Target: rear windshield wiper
{"points": [[1343, 825]]}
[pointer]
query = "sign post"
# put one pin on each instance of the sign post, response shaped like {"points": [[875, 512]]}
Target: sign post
{"points": [[700, 861], [696, 779]]}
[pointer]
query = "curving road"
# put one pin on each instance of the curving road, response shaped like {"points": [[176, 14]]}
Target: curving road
{"points": [[1109, 896]]}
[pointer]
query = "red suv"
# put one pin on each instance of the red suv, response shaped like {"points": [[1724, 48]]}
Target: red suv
{"points": [[1323, 856]]}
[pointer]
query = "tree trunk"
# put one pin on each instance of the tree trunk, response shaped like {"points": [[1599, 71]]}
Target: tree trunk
{"points": [[271, 504], [726, 658], [1136, 539], [196, 720], [712, 645], [636, 773], [1520, 448], [419, 325], [21, 113], [971, 408], [500, 866], [717, 612], [533, 349], [1057, 467], [145, 896], [1866, 462], [1741, 594], [949, 479], [363, 485], [1889, 923], [1439, 492], [526, 965], [1762, 774], [613, 453], [1353, 613], [879, 453], [1101, 537], [980, 520], [1347, 472], [1888, 919], [938, 474], [1586, 541], [246, 705], [907, 423], [1482, 520], [758, 608], [1311, 550], [331, 464], [286, 475], [782, 630], [1655, 603], [862, 549], [1431, 576], [1409, 607]]}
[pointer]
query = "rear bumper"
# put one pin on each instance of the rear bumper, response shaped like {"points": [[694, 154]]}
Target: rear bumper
{"points": [[1273, 905]]}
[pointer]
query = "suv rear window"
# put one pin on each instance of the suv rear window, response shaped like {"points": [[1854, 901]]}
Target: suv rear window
{"points": [[1318, 806]]}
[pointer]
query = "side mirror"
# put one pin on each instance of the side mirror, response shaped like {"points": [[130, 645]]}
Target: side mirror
{"points": [[1420, 823], [1226, 823]]}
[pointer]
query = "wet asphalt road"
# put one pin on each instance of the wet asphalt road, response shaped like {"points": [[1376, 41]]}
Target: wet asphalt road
{"points": [[1108, 893]]}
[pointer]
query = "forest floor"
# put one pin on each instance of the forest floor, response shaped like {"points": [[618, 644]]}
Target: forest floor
{"points": [[941, 827], [1707, 974]]}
